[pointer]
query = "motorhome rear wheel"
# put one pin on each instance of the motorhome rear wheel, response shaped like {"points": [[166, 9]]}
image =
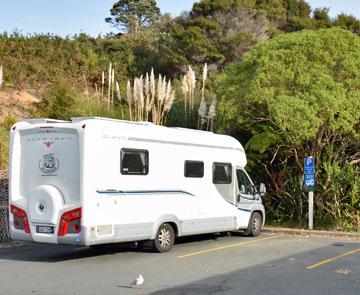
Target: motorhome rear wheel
{"points": [[165, 238]]}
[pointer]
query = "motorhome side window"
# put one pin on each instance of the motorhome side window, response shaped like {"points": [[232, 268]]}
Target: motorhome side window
{"points": [[194, 169], [222, 173], [134, 162]]}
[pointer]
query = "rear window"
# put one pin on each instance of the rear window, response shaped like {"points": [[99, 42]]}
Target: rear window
{"points": [[222, 173], [194, 169], [134, 162]]}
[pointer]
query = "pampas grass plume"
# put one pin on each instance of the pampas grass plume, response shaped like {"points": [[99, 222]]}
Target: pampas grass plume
{"points": [[1, 76]]}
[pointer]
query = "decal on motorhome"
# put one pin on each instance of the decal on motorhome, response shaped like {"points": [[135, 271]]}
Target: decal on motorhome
{"points": [[51, 139], [149, 192], [48, 144], [49, 164]]}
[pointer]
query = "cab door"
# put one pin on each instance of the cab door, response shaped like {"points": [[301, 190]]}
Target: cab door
{"points": [[246, 192], [245, 197]]}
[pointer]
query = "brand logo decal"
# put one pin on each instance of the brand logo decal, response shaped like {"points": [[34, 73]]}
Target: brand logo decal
{"points": [[48, 144], [42, 206], [49, 164], [49, 140]]}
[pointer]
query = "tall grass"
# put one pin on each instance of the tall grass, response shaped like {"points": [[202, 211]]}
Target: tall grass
{"points": [[150, 99], [147, 98], [1, 76], [4, 141], [4, 148], [196, 98]]}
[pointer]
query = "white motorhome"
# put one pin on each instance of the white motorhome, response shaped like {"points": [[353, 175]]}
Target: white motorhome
{"points": [[96, 181]]}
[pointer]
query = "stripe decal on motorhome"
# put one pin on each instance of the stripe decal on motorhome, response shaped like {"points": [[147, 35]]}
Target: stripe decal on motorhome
{"points": [[246, 210], [183, 143], [241, 209], [149, 192]]}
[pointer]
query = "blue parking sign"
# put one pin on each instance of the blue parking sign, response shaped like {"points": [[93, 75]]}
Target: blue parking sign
{"points": [[309, 173], [309, 180], [309, 165]]}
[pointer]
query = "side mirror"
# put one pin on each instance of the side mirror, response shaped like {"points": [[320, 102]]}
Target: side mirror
{"points": [[262, 189]]}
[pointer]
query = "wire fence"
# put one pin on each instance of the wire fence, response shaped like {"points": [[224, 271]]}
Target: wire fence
{"points": [[4, 207]]}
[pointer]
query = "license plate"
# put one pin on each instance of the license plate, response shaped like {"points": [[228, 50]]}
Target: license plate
{"points": [[44, 229]]}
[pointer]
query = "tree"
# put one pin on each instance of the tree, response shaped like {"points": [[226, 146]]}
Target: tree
{"points": [[209, 7], [239, 31], [348, 22], [131, 15], [216, 32], [191, 45], [298, 95], [322, 18], [297, 9], [273, 9], [297, 16]]}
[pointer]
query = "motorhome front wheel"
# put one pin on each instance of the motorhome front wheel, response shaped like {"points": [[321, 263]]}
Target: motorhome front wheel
{"points": [[254, 228]]}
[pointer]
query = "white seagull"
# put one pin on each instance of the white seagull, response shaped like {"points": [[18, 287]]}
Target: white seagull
{"points": [[138, 282]]}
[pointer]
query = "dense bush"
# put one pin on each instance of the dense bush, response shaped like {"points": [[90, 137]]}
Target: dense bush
{"points": [[298, 95]]}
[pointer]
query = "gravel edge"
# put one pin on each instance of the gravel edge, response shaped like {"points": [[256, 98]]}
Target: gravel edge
{"points": [[14, 244], [307, 232]]}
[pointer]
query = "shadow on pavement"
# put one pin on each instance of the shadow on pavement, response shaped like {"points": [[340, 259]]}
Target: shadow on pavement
{"points": [[286, 276], [58, 253]]}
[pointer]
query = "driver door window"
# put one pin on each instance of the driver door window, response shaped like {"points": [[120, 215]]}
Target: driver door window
{"points": [[245, 187]]}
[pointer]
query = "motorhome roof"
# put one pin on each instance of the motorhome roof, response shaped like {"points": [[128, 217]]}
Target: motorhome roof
{"points": [[149, 132], [44, 120], [79, 119], [141, 123]]}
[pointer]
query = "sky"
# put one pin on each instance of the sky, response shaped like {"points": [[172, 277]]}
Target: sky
{"points": [[67, 17]]}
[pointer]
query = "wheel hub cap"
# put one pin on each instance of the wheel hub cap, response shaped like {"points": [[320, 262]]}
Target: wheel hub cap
{"points": [[164, 237], [256, 224]]}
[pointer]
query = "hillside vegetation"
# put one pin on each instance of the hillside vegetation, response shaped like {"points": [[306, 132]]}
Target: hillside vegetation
{"points": [[281, 77]]}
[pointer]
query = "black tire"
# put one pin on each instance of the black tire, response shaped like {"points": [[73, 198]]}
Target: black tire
{"points": [[165, 238], [255, 224]]}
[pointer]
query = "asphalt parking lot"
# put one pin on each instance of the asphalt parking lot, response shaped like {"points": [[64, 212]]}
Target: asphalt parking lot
{"points": [[269, 264]]}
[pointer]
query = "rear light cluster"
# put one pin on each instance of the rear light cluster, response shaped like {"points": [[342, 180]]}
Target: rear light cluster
{"points": [[20, 217], [70, 218]]}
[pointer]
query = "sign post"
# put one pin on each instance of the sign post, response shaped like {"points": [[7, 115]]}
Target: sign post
{"points": [[309, 185], [311, 209]]}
